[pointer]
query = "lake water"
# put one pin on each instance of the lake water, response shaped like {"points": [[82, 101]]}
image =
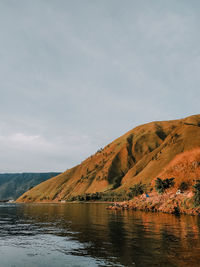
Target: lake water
{"points": [[57, 235]]}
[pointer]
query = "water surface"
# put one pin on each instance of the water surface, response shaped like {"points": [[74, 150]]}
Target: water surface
{"points": [[90, 235]]}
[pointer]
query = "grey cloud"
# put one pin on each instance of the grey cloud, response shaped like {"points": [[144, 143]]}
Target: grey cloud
{"points": [[77, 74]]}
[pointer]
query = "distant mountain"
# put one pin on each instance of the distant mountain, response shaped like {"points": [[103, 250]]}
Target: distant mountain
{"points": [[12, 185], [140, 155]]}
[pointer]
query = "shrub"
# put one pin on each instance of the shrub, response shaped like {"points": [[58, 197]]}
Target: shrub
{"points": [[183, 186], [137, 190], [103, 196], [197, 193], [162, 185], [99, 150], [168, 182], [159, 186]]}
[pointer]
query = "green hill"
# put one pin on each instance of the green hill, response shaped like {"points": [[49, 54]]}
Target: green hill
{"points": [[12, 185]]}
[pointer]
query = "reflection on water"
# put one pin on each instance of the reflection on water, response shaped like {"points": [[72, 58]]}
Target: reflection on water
{"points": [[90, 235]]}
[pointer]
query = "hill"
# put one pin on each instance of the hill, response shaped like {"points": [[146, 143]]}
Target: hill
{"points": [[12, 185], [183, 196], [140, 155]]}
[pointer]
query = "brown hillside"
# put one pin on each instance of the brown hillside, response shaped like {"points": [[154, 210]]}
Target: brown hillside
{"points": [[185, 167], [139, 155]]}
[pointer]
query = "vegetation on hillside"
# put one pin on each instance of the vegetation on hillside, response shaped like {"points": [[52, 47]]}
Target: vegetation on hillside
{"points": [[12, 185], [197, 193], [137, 189], [162, 185]]}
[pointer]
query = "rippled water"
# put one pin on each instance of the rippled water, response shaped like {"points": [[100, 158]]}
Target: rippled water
{"points": [[90, 235]]}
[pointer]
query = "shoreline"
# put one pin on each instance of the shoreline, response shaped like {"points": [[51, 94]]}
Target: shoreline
{"points": [[153, 204], [169, 202], [67, 202]]}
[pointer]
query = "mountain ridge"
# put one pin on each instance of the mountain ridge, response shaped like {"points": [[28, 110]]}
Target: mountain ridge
{"points": [[12, 185]]}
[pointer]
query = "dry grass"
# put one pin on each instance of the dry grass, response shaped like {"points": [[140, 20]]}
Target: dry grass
{"points": [[185, 167], [138, 156]]}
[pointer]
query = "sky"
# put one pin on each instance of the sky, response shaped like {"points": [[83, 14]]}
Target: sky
{"points": [[77, 74]]}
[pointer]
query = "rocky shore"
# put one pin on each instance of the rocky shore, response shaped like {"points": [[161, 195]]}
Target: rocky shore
{"points": [[169, 202]]}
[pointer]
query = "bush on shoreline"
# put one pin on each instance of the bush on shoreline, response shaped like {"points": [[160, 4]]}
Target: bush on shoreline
{"points": [[137, 189], [103, 196], [162, 185], [183, 186], [197, 193]]}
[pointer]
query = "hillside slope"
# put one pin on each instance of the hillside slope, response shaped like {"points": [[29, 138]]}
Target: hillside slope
{"points": [[179, 198], [140, 155], [12, 185], [185, 167]]}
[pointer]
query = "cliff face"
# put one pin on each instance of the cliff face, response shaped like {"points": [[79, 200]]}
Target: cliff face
{"points": [[140, 155]]}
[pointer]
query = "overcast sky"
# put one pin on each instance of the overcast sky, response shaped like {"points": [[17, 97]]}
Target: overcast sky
{"points": [[76, 74]]}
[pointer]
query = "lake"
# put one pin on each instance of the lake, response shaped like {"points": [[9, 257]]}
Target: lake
{"points": [[90, 235]]}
